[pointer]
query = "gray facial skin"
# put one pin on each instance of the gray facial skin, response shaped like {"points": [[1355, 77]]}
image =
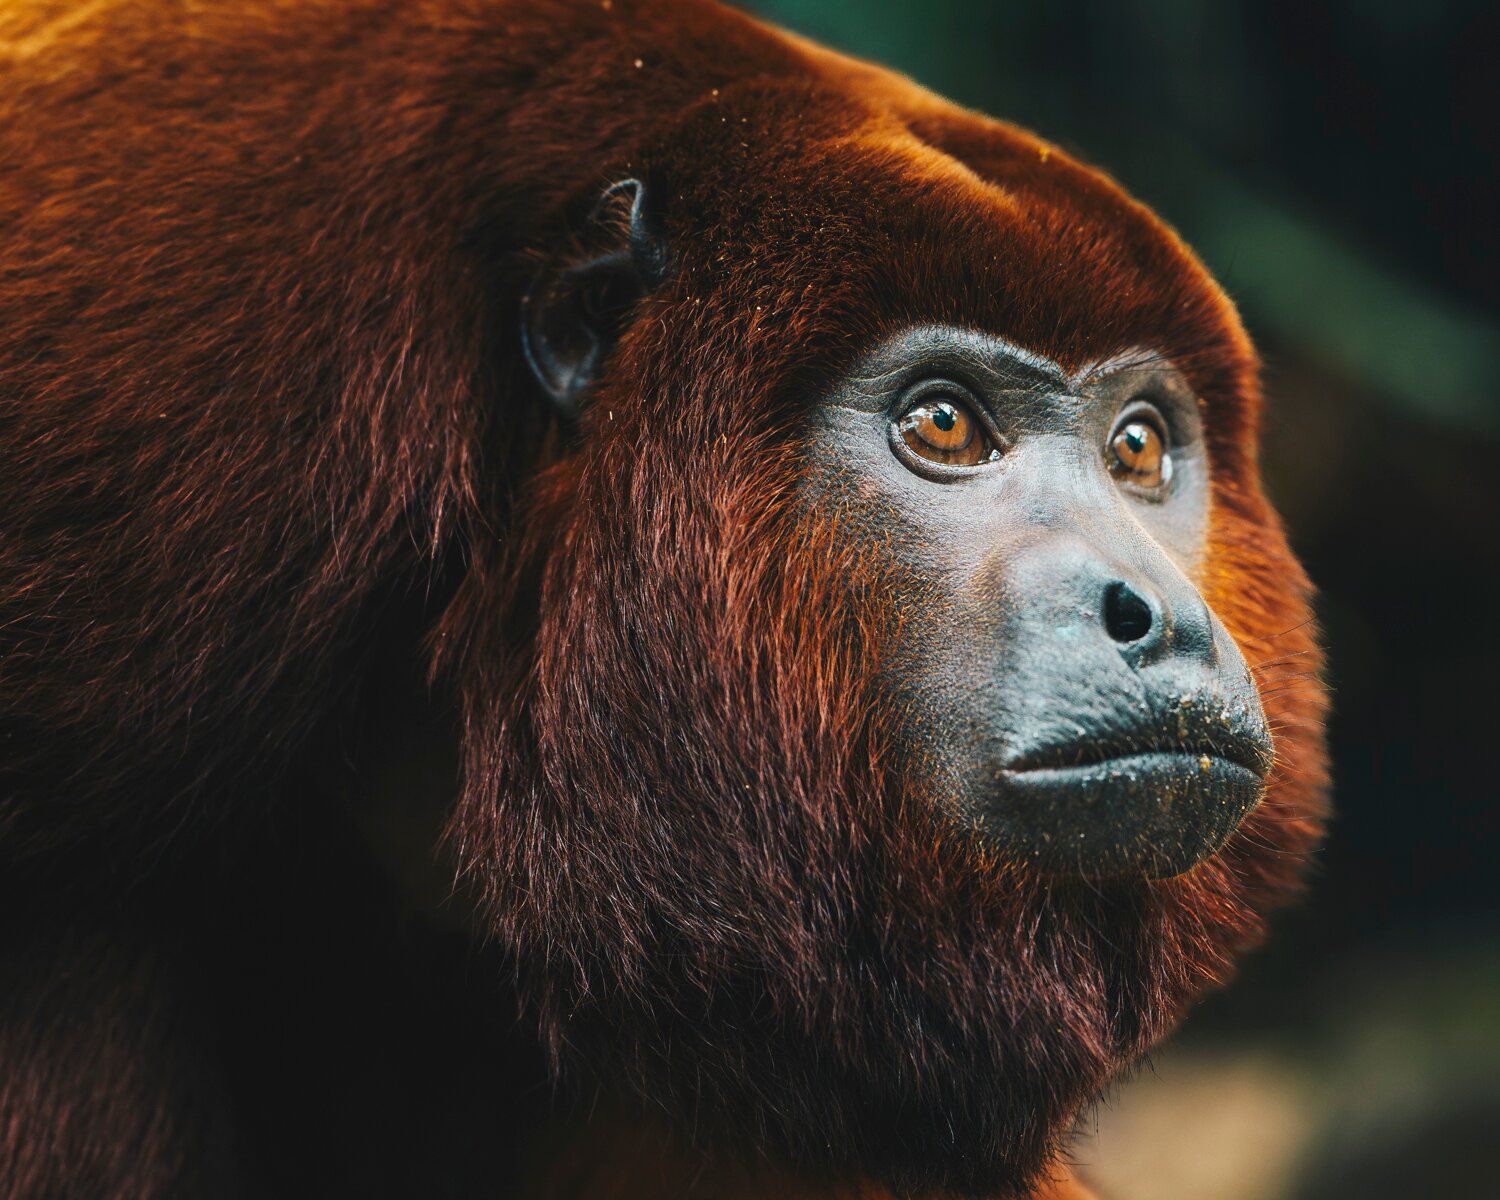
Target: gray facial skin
{"points": [[1066, 693]]}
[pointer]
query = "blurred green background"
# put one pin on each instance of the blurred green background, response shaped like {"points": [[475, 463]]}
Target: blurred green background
{"points": [[1337, 164]]}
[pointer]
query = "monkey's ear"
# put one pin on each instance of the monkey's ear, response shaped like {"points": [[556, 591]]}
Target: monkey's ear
{"points": [[577, 308]]}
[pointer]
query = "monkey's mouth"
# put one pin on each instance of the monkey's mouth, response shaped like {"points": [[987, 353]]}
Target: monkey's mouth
{"points": [[1143, 805]]}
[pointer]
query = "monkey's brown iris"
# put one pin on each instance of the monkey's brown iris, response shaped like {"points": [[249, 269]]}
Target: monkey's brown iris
{"points": [[945, 431], [1138, 453]]}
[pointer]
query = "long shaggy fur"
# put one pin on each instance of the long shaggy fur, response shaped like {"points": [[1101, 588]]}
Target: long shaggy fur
{"points": [[260, 272]]}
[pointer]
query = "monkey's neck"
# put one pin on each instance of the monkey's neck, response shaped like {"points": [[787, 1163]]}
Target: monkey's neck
{"points": [[620, 1161]]}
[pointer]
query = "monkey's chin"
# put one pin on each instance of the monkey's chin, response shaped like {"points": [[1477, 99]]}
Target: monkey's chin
{"points": [[1150, 815]]}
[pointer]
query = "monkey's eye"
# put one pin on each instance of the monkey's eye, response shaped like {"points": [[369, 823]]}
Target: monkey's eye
{"points": [[1138, 450], [942, 428]]}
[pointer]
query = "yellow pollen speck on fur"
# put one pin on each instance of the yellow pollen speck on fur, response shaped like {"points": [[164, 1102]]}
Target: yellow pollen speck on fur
{"points": [[1205, 763]]}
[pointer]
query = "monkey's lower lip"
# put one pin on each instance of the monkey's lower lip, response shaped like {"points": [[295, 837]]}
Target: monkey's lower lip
{"points": [[1153, 813]]}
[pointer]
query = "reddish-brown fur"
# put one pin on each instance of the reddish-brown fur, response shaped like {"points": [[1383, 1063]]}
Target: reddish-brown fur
{"points": [[263, 417]]}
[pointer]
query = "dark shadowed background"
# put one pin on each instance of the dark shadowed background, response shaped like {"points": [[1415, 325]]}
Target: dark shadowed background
{"points": [[1338, 167]]}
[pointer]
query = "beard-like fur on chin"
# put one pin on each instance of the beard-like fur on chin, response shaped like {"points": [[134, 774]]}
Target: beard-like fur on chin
{"points": [[728, 902]]}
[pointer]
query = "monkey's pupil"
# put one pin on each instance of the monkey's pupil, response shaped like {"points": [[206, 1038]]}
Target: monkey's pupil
{"points": [[944, 417], [1136, 438]]}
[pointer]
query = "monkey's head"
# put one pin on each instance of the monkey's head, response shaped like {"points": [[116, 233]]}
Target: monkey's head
{"points": [[909, 699]]}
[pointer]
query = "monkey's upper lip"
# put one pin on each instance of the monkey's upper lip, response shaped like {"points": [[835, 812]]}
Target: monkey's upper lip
{"points": [[1246, 747]]}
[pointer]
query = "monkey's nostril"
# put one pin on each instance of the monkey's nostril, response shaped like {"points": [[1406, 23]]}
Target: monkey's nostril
{"points": [[1127, 617]]}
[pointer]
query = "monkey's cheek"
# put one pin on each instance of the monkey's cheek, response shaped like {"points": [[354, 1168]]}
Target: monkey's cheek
{"points": [[1151, 815]]}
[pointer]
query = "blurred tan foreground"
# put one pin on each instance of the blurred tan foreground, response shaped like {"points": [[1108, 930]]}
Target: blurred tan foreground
{"points": [[1203, 1128], [1391, 1089]]}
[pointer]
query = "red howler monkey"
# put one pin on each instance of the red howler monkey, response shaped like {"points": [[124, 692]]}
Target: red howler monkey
{"points": [[596, 600]]}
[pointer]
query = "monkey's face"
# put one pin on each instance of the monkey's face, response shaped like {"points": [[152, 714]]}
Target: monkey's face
{"points": [[878, 767], [1067, 694]]}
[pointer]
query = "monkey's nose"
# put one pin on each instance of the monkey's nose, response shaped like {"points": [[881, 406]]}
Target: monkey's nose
{"points": [[1129, 617], [1150, 620]]}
